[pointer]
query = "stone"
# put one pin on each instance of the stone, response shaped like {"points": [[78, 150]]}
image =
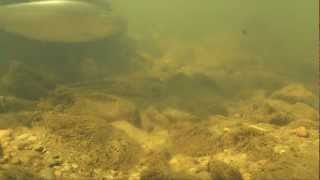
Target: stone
{"points": [[193, 139], [23, 82], [74, 166], [5, 133], [13, 104], [39, 149], [21, 145], [220, 170], [47, 174], [54, 162], [67, 167], [295, 93], [153, 174], [29, 156], [192, 166], [96, 104], [16, 161], [58, 173], [301, 110], [23, 136], [1, 152], [16, 172], [32, 138], [307, 123], [301, 132]]}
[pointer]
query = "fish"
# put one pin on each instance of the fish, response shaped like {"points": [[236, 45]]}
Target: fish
{"points": [[68, 21]]}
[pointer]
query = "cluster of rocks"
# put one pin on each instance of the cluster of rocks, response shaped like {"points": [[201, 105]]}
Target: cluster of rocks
{"points": [[82, 140], [25, 149]]}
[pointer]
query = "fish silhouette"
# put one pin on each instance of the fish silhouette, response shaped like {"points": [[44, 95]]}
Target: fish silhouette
{"points": [[60, 20]]}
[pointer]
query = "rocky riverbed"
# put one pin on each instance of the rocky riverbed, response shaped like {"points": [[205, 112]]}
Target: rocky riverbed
{"points": [[92, 134]]}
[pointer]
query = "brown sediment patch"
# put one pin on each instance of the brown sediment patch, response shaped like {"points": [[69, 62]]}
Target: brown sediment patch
{"points": [[253, 140], [193, 139], [90, 142]]}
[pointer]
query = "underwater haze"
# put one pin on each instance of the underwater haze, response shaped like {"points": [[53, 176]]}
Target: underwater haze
{"points": [[157, 90], [280, 33]]}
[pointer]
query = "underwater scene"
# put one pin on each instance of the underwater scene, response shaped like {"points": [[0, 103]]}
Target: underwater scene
{"points": [[159, 90]]}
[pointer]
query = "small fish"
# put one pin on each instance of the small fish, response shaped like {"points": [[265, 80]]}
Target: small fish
{"points": [[68, 21]]}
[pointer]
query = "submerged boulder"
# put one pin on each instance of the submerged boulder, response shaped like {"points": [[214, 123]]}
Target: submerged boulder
{"points": [[23, 82], [13, 172], [13, 104], [219, 170], [295, 93]]}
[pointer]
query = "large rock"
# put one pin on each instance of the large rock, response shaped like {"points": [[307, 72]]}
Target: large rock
{"points": [[90, 142], [23, 82], [152, 118], [12, 104], [110, 108], [193, 139], [13, 172], [219, 170], [295, 93]]}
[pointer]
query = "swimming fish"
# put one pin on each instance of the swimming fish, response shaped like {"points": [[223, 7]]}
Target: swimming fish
{"points": [[68, 21]]}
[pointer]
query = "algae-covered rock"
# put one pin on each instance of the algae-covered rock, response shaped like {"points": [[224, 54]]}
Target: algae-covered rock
{"points": [[15, 173], [60, 99], [275, 111], [161, 174], [148, 141], [193, 139], [91, 142], [175, 115], [192, 166], [295, 93], [24, 82], [290, 166], [301, 110], [308, 123], [14, 119], [104, 106], [250, 139], [154, 174], [1, 152], [13, 104], [152, 118], [219, 170]]}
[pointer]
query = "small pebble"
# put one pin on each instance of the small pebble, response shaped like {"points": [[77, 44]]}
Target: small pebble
{"points": [[194, 170], [6, 143], [39, 148], [16, 161], [22, 145], [58, 173], [54, 162], [23, 137], [226, 130], [32, 138], [5, 133], [237, 115], [67, 167], [97, 171], [74, 165], [4, 160], [301, 132], [47, 173]]}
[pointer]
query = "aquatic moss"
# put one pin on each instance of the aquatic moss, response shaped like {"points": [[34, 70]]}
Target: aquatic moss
{"points": [[219, 170], [193, 139], [24, 82], [257, 143]]}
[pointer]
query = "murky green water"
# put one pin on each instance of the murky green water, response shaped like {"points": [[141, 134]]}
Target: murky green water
{"points": [[159, 89]]}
